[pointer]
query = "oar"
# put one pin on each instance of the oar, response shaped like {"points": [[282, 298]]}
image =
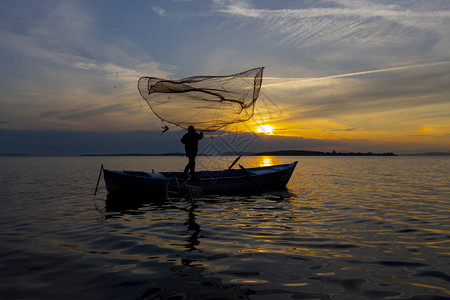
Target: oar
{"points": [[234, 162], [253, 179], [98, 180]]}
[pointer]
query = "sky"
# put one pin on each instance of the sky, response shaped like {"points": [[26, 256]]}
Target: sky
{"points": [[344, 75]]}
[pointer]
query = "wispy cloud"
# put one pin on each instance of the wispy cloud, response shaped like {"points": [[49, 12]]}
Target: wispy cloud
{"points": [[75, 76], [291, 83], [343, 8], [80, 113], [351, 28], [347, 94], [159, 10], [392, 102], [64, 35]]}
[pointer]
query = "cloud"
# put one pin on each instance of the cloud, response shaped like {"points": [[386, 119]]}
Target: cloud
{"points": [[292, 82], [344, 8], [66, 34], [81, 113], [57, 70], [347, 32], [383, 89], [159, 10], [381, 104]]}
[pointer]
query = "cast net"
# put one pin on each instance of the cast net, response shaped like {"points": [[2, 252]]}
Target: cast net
{"points": [[207, 102]]}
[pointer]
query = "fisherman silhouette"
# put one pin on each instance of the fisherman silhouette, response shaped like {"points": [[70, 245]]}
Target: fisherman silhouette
{"points": [[190, 141]]}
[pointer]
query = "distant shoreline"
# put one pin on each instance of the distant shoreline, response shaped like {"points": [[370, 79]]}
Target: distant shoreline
{"points": [[319, 153], [286, 153], [265, 153]]}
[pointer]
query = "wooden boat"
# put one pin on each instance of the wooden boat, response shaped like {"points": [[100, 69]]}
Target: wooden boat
{"points": [[177, 184]]}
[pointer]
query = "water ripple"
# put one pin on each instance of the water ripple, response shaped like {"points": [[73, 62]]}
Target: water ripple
{"points": [[347, 228]]}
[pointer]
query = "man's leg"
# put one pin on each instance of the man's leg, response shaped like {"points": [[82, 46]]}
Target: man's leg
{"points": [[186, 169], [192, 164]]}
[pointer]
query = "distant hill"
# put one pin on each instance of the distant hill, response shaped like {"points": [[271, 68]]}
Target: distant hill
{"points": [[319, 153], [267, 153]]}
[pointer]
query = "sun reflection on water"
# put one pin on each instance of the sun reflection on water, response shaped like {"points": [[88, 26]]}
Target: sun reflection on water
{"points": [[265, 161]]}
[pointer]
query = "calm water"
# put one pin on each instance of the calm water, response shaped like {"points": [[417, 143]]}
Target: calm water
{"points": [[347, 228]]}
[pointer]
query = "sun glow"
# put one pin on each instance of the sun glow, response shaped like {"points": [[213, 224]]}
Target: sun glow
{"points": [[266, 161], [266, 129]]}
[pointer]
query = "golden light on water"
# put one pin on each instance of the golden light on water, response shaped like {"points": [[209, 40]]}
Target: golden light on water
{"points": [[266, 161]]}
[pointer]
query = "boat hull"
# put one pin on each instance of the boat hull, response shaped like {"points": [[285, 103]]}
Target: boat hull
{"points": [[176, 184]]}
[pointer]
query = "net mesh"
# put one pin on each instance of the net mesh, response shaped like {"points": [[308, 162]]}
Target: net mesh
{"points": [[207, 102]]}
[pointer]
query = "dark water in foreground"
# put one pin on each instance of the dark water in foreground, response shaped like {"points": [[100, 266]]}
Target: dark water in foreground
{"points": [[348, 228]]}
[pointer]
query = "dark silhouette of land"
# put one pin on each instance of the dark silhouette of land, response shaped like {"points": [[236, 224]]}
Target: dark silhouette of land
{"points": [[319, 153], [267, 153]]}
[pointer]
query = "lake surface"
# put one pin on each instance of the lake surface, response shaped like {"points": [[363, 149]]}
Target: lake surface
{"points": [[346, 228]]}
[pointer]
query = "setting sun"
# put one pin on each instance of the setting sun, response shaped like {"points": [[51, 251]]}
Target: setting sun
{"points": [[266, 129]]}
